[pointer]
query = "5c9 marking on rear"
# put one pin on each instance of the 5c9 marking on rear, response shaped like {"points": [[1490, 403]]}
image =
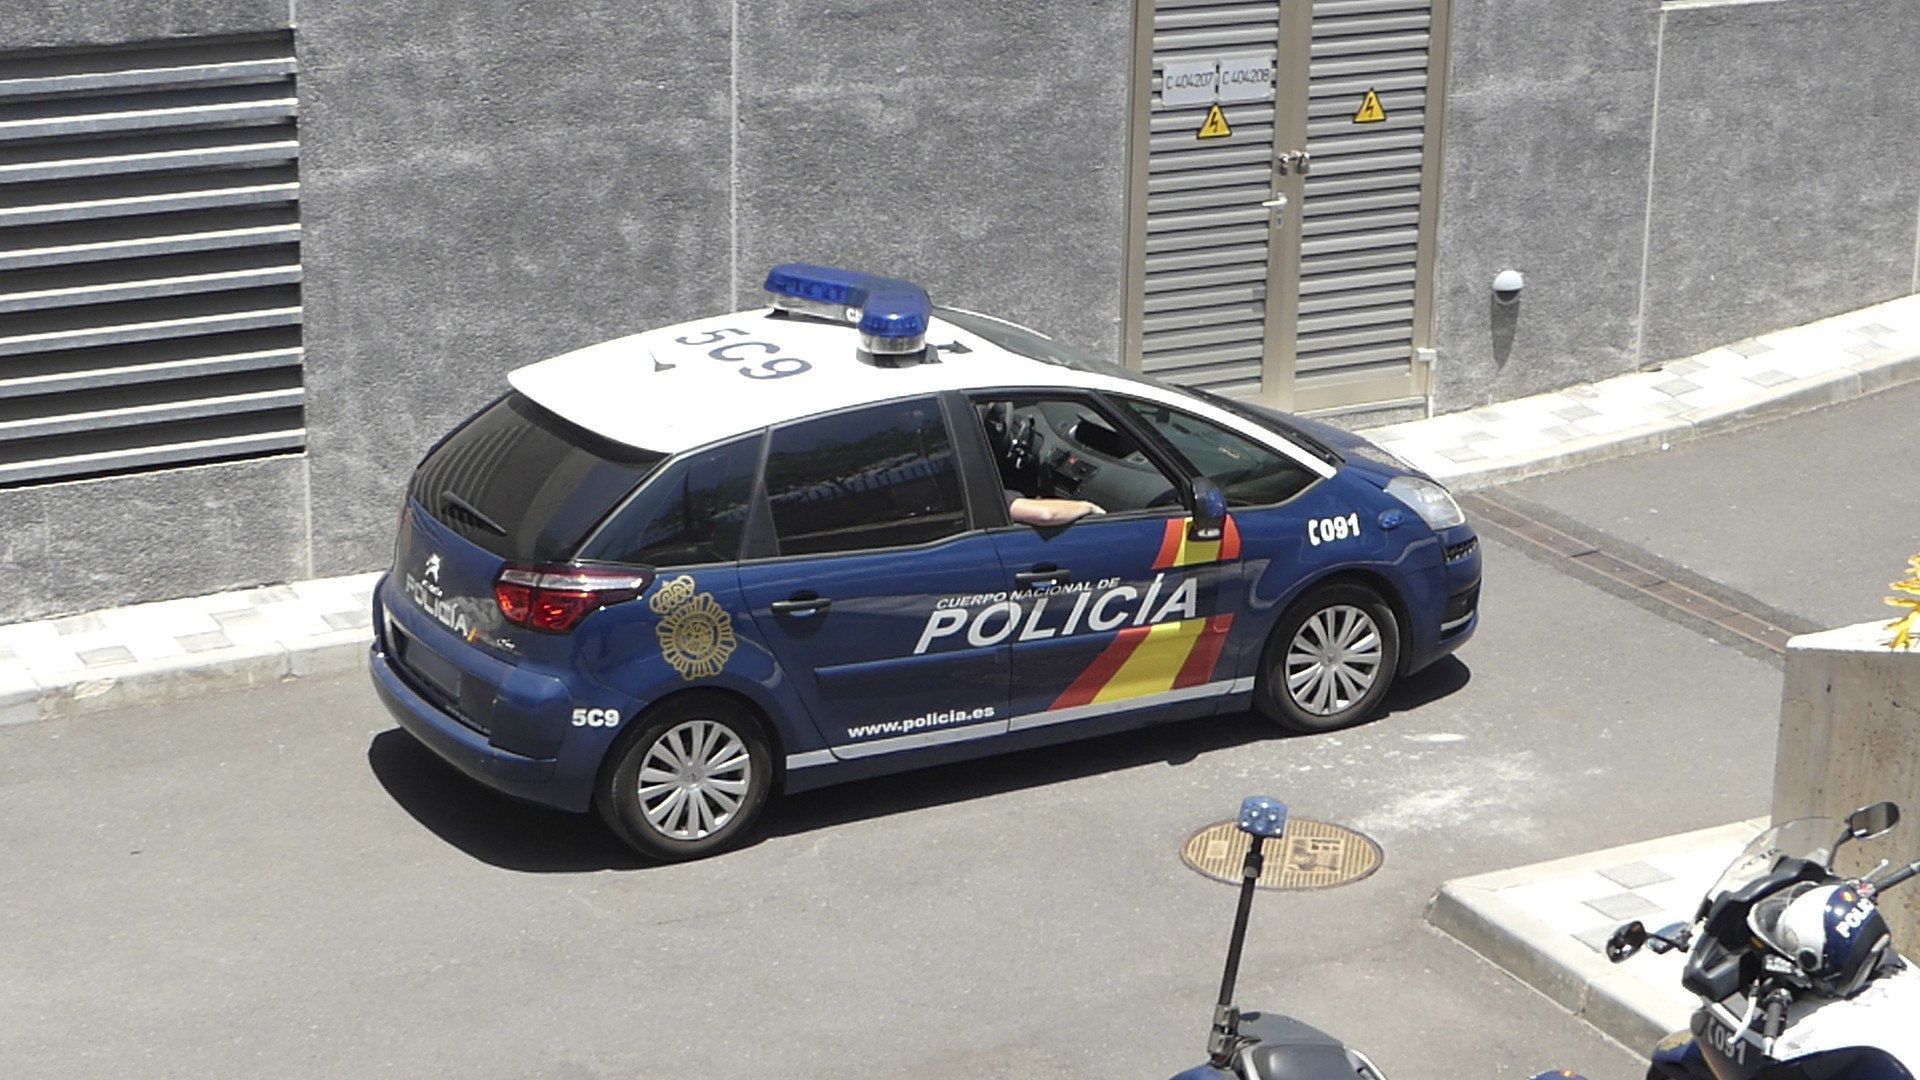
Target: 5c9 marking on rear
{"points": [[771, 366], [596, 718], [1327, 530]]}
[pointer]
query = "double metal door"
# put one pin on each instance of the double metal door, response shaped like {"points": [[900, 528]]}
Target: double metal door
{"points": [[1282, 240]]}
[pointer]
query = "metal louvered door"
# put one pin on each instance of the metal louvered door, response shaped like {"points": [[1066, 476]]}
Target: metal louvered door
{"points": [[149, 258], [1367, 205], [1282, 250]]}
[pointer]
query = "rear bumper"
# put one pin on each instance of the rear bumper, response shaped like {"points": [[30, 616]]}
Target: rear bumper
{"points": [[531, 779]]}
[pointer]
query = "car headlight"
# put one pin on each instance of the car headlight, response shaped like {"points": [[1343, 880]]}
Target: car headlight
{"points": [[1429, 500]]}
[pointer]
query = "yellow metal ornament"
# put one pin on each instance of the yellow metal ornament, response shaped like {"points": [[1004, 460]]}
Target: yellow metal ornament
{"points": [[696, 633], [1904, 627]]}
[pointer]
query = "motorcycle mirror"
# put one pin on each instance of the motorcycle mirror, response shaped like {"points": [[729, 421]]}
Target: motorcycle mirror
{"points": [[1626, 941], [1261, 816], [1871, 821]]}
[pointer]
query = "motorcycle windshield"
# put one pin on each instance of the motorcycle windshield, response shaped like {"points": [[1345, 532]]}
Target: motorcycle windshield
{"points": [[1803, 838]]}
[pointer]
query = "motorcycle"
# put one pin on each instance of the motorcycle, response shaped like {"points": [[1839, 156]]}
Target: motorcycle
{"points": [[1793, 964], [1269, 1046]]}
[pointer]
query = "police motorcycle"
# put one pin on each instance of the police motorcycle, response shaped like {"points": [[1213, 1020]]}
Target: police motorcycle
{"points": [[1269, 1046], [1793, 964]]}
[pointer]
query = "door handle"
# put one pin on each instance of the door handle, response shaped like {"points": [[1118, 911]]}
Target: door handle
{"points": [[1044, 574], [1275, 203], [801, 603]]}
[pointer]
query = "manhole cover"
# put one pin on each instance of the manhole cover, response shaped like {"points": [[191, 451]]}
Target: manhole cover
{"points": [[1309, 855]]}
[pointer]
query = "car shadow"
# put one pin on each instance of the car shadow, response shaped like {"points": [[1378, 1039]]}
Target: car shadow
{"points": [[513, 835]]}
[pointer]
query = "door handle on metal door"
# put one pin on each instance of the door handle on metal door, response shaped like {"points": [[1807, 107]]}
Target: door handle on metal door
{"points": [[1275, 203], [800, 603], [1044, 574]]}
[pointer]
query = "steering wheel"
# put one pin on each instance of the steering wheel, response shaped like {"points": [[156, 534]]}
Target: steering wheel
{"points": [[1022, 447]]}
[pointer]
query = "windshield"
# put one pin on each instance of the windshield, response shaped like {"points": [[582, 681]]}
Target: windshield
{"points": [[1036, 346], [1803, 838]]}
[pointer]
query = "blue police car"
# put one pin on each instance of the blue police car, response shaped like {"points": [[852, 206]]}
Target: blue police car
{"points": [[668, 575]]}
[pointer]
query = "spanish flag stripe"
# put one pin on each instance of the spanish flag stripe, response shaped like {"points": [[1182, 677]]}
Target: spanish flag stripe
{"points": [[1087, 686], [1230, 540], [1205, 655], [1170, 545], [1153, 666]]}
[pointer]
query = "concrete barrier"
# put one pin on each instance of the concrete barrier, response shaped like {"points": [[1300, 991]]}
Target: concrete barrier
{"points": [[1850, 735]]}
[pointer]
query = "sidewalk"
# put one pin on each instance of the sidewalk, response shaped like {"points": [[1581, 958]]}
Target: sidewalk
{"points": [[1548, 925], [146, 652]]}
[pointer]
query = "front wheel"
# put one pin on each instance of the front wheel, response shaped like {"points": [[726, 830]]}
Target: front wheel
{"points": [[1331, 659], [690, 782]]}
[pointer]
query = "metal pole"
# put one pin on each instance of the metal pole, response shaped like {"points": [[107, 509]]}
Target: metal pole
{"points": [[1226, 1020]]}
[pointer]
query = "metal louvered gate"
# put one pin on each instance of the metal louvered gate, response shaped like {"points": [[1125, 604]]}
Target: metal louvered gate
{"points": [[1321, 304], [149, 258]]}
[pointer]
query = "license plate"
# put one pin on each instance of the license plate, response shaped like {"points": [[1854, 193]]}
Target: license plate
{"points": [[427, 664]]}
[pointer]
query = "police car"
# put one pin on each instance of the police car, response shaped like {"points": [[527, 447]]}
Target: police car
{"points": [[668, 575]]}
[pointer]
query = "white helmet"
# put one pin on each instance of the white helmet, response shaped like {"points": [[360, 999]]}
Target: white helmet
{"points": [[1833, 933]]}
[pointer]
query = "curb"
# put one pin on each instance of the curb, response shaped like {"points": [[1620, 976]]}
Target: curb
{"points": [[1612, 998], [1831, 389], [155, 681]]}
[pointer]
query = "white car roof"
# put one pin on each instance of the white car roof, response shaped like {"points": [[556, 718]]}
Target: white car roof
{"points": [[655, 391]]}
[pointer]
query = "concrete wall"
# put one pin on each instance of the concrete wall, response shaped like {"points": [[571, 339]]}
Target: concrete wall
{"points": [[1669, 178], [981, 154], [64, 23], [1848, 711], [485, 185]]}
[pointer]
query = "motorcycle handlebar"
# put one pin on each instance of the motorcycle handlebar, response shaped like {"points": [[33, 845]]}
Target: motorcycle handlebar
{"points": [[1897, 877]]}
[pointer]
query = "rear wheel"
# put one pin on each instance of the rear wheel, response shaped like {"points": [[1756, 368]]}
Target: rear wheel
{"points": [[1331, 659], [689, 780]]}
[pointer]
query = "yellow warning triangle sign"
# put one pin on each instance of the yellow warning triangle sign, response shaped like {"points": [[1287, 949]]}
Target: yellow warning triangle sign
{"points": [[1370, 110], [1215, 126]]}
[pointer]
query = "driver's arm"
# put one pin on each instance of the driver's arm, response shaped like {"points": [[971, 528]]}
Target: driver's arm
{"points": [[1027, 511]]}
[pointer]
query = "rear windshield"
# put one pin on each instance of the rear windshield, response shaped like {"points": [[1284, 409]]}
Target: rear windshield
{"points": [[525, 484]]}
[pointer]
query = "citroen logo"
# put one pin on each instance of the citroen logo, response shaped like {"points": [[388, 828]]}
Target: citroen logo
{"points": [[433, 569]]}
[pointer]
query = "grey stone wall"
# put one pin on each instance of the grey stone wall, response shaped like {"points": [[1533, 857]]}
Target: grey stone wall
{"points": [[486, 185], [1548, 133], [182, 532], [1786, 179], [1668, 180], [34, 24], [981, 152]]}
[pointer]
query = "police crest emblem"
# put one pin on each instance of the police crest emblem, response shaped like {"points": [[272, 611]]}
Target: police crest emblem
{"points": [[696, 633]]}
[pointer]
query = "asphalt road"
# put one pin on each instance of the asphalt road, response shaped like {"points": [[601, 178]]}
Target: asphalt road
{"points": [[1813, 514], [278, 882]]}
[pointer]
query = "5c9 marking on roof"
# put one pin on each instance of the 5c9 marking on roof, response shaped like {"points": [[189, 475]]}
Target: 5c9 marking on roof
{"points": [[770, 366], [1327, 530]]}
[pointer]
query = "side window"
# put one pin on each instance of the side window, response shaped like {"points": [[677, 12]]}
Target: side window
{"points": [[874, 478], [694, 512], [1250, 474], [1066, 448]]}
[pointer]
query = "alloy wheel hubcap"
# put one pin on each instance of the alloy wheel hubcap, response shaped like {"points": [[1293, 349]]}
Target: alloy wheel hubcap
{"points": [[694, 779], [1333, 660]]}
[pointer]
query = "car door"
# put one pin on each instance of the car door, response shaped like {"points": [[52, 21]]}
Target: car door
{"points": [[871, 547], [1275, 500], [1119, 610]]}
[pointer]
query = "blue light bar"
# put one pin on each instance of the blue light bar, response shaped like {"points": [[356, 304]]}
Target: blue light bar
{"points": [[892, 315]]}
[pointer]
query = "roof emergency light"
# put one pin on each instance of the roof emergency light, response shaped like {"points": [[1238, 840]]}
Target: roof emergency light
{"points": [[892, 315]]}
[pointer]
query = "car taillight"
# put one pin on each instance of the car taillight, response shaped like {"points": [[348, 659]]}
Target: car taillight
{"points": [[553, 599]]}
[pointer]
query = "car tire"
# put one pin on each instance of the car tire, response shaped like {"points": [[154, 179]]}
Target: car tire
{"points": [[688, 780], [1332, 658]]}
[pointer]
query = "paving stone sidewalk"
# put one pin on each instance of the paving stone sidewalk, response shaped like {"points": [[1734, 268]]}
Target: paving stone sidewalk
{"points": [[1548, 925], [86, 662]]}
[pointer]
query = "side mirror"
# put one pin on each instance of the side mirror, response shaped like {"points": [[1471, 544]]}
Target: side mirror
{"points": [[1626, 941], [1209, 511], [1263, 817], [1871, 821]]}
